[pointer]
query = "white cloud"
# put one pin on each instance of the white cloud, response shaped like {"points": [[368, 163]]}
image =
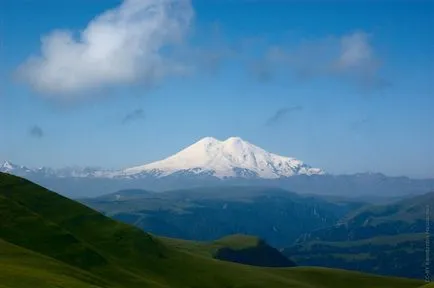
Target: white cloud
{"points": [[350, 56], [355, 50], [122, 45], [357, 58]]}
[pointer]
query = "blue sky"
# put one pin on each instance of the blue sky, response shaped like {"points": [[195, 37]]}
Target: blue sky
{"points": [[345, 86]]}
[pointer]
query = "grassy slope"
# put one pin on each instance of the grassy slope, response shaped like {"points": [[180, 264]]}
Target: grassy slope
{"points": [[65, 244], [237, 248], [23, 268], [302, 276], [238, 241], [208, 249]]}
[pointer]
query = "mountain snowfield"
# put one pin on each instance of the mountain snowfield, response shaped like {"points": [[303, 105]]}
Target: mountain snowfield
{"points": [[233, 157]]}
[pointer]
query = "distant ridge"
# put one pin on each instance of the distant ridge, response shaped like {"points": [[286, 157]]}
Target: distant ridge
{"points": [[213, 163]]}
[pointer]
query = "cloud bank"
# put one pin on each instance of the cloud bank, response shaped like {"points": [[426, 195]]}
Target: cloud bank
{"points": [[126, 44]]}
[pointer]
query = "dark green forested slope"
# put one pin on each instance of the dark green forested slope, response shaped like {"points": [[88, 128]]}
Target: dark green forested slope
{"points": [[47, 240], [383, 239]]}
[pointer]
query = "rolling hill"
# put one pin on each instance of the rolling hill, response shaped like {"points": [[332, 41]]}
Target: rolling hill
{"points": [[47, 240]]}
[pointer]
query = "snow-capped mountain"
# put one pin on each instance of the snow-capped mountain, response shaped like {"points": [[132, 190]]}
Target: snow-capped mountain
{"points": [[233, 157], [9, 167], [214, 163], [79, 172]]}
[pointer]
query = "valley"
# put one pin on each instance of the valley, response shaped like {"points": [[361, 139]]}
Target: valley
{"points": [[206, 214], [312, 230]]}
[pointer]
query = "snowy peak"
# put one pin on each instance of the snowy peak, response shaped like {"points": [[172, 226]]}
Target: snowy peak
{"points": [[7, 166], [19, 170], [227, 158]]}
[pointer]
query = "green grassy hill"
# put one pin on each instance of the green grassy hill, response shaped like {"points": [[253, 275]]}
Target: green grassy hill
{"points": [[250, 250], [47, 240], [20, 267], [237, 248], [238, 241]]}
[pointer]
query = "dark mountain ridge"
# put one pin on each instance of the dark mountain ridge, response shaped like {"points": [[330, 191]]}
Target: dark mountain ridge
{"points": [[87, 182], [397, 233], [209, 213]]}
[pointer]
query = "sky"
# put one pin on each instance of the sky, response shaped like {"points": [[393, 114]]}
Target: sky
{"points": [[345, 85]]}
